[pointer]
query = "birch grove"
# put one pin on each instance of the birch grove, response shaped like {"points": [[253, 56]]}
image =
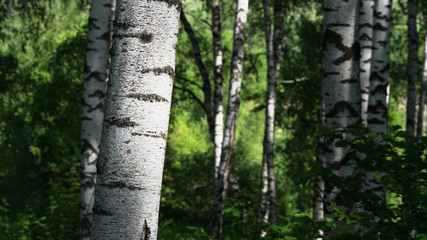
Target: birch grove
{"points": [[135, 129], [100, 19]]}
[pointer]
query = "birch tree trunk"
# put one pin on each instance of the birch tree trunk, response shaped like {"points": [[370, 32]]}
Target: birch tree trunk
{"points": [[99, 35], [366, 24], [412, 66], [379, 83], [340, 87], [422, 93], [274, 48], [218, 91], [319, 183], [134, 134], [221, 184]]}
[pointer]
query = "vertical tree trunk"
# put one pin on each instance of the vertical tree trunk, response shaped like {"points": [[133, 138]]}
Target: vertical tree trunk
{"points": [[274, 48], [379, 82], [340, 87], [218, 91], [422, 92], [95, 85], [319, 184], [412, 66], [134, 134], [366, 24], [221, 184]]}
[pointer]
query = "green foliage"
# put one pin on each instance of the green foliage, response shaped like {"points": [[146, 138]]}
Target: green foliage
{"points": [[400, 164]]}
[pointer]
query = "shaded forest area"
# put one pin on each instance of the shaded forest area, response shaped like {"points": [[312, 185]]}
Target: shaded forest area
{"points": [[43, 45]]}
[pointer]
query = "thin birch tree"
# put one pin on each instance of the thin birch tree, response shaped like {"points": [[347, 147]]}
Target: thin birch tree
{"points": [[412, 67], [340, 88], [99, 35], [273, 52], [135, 128], [221, 183]]}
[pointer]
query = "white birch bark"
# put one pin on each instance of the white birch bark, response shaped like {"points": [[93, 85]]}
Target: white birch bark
{"points": [[221, 184], [366, 24], [340, 86], [412, 67], [379, 82], [218, 90], [274, 48], [99, 36], [134, 134], [319, 183], [422, 92]]}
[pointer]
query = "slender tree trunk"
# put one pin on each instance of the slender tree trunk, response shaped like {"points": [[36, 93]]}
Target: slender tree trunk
{"points": [[93, 104], [220, 188], [422, 92], [366, 24], [207, 103], [218, 91], [340, 87], [379, 82], [319, 184], [274, 47], [134, 134], [412, 66]]}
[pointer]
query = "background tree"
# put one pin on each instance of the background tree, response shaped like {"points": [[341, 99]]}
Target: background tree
{"points": [[95, 86], [412, 66]]}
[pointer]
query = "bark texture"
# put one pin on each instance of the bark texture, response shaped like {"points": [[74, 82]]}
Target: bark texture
{"points": [[273, 52], [218, 91], [99, 35], [412, 67], [221, 184], [366, 26], [135, 128], [379, 83], [422, 93], [340, 87]]}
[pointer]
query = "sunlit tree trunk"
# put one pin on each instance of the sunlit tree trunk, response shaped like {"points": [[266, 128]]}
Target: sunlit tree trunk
{"points": [[221, 184], [366, 24], [218, 90], [101, 12], [422, 93], [340, 87], [412, 66], [135, 128]]}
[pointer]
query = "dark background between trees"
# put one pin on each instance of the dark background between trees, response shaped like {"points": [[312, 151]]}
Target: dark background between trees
{"points": [[42, 49]]}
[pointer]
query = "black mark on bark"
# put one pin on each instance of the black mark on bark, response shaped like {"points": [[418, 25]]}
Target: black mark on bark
{"points": [[342, 106], [121, 122], [167, 70], [145, 231], [148, 97], [121, 185]]}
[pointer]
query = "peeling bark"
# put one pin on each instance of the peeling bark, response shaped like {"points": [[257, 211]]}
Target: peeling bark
{"points": [[221, 184], [137, 111]]}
